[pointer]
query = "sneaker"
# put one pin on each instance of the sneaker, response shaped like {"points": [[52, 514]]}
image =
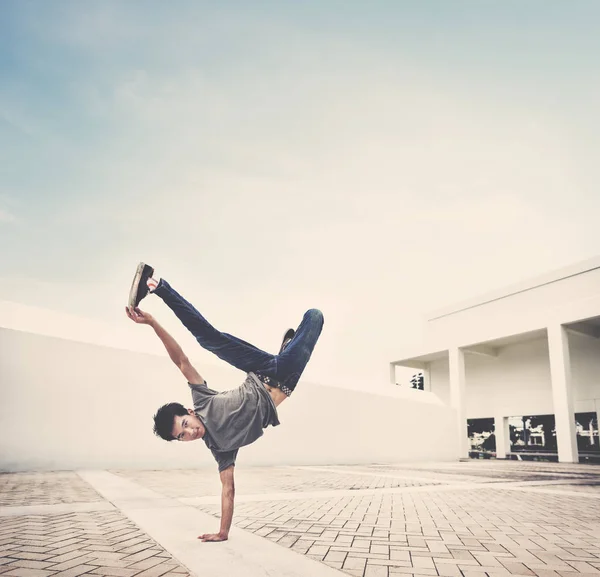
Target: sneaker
{"points": [[287, 339], [139, 288]]}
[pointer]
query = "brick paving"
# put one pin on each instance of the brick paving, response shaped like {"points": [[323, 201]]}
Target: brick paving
{"points": [[103, 543], [44, 489], [491, 471], [475, 531], [98, 543], [591, 487], [262, 480], [473, 519], [466, 532]]}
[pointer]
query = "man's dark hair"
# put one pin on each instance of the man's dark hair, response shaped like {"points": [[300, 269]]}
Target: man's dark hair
{"points": [[164, 418]]}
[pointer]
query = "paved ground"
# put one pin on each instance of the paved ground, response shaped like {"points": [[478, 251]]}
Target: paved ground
{"points": [[45, 489], [494, 518], [57, 524]]}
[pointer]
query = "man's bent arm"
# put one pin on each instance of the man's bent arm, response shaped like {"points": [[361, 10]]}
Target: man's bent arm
{"points": [[177, 355], [175, 351], [227, 499]]}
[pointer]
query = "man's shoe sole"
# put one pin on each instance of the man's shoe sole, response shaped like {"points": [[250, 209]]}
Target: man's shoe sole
{"points": [[287, 338], [136, 283]]}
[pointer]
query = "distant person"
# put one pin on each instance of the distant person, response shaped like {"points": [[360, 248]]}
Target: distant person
{"points": [[226, 420]]}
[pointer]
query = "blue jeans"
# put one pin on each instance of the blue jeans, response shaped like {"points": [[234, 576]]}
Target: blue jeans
{"points": [[285, 368]]}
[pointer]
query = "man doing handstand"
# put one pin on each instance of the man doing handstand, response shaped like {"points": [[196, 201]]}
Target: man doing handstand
{"points": [[226, 420]]}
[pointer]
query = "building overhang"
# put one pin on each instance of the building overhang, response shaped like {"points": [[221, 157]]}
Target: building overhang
{"points": [[588, 327], [419, 359], [489, 348]]}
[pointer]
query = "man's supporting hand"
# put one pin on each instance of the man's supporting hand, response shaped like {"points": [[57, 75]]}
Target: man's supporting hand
{"points": [[213, 537], [227, 497]]}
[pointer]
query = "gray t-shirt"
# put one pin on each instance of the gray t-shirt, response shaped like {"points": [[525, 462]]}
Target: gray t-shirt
{"points": [[233, 418]]}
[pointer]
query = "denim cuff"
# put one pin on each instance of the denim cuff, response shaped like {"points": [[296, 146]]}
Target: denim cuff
{"points": [[162, 288]]}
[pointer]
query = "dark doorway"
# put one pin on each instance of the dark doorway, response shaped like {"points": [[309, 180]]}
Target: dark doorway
{"points": [[482, 440], [588, 440]]}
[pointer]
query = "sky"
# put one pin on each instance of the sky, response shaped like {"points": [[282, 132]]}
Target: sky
{"points": [[374, 160]]}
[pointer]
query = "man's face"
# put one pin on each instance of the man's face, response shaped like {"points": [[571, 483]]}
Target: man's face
{"points": [[187, 427]]}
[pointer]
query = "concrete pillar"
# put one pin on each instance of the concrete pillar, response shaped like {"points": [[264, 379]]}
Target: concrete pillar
{"points": [[597, 405], [392, 373], [457, 398], [502, 433], [562, 394], [426, 377]]}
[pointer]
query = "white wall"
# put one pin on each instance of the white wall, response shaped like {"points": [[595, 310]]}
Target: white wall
{"points": [[66, 404], [565, 300], [585, 369], [439, 379], [517, 381]]}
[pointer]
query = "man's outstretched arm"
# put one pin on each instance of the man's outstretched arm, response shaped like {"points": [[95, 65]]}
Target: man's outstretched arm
{"points": [[175, 351], [227, 499]]}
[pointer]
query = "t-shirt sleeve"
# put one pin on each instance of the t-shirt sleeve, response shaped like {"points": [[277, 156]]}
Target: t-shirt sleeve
{"points": [[200, 394], [225, 458], [202, 389]]}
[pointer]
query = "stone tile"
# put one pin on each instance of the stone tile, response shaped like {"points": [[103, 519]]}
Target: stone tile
{"points": [[115, 571], [376, 571], [75, 571], [336, 556], [81, 555], [27, 572], [20, 554], [81, 560], [30, 564]]}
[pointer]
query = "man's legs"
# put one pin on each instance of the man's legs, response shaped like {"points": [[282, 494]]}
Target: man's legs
{"points": [[285, 369], [293, 360], [232, 350]]}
